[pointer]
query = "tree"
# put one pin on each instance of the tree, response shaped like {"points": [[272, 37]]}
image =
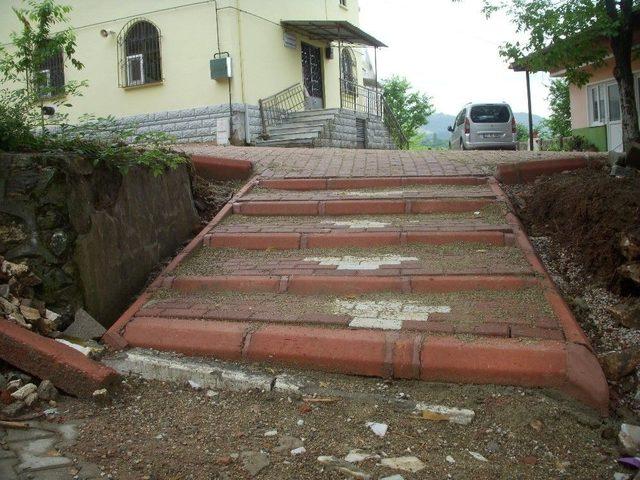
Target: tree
{"points": [[559, 122], [33, 45], [570, 34], [411, 108]]}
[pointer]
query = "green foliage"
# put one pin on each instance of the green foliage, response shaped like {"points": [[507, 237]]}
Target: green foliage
{"points": [[561, 34], [576, 143], [559, 122], [102, 140], [411, 108], [40, 38]]}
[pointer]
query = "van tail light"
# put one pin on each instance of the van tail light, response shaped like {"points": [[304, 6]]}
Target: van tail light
{"points": [[467, 126], [514, 128]]}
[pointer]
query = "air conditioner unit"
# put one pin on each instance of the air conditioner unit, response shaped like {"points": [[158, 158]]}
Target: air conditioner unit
{"points": [[220, 68]]}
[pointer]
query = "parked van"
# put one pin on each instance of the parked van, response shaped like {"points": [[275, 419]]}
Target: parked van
{"points": [[489, 126]]}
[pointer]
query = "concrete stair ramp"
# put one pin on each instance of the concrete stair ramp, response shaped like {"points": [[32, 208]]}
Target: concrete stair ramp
{"points": [[425, 278]]}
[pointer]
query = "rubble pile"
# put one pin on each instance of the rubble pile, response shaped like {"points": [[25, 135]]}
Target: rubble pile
{"points": [[18, 303], [19, 392]]}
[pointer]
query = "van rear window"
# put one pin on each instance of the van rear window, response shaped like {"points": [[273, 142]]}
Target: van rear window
{"points": [[490, 114]]}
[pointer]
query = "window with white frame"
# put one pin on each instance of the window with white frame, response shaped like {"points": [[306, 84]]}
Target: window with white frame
{"points": [[597, 104]]}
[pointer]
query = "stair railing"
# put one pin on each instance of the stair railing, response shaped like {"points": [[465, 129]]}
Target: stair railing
{"points": [[371, 102], [277, 109]]}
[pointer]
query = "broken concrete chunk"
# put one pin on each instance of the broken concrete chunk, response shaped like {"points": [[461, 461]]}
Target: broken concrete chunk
{"points": [[407, 464], [84, 327], [288, 443], [254, 462], [14, 409], [630, 245], [343, 467], [30, 399], [46, 391], [380, 429], [629, 438], [630, 271], [440, 413], [627, 314], [30, 314], [478, 456], [24, 392], [356, 456]]}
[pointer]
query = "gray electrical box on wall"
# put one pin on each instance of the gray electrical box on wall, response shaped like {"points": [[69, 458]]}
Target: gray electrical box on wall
{"points": [[220, 68]]}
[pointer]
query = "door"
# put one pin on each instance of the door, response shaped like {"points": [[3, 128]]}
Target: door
{"points": [[312, 76], [614, 119]]}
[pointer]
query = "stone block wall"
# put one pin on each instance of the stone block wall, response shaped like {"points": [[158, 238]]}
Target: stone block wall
{"points": [[194, 125], [341, 132], [90, 234]]}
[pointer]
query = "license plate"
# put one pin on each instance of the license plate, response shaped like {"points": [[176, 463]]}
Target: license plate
{"points": [[491, 135]]}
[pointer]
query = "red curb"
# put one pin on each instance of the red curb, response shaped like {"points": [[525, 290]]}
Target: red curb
{"points": [[567, 321], [456, 283], [113, 337], [277, 208], [364, 207], [372, 182], [512, 173], [254, 241], [406, 356], [448, 206], [441, 238], [190, 337], [361, 352], [300, 184], [524, 331], [337, 240], [216, 168], [68, 369], [228, 282], [306, 285], [585, 379], [502, 361]]}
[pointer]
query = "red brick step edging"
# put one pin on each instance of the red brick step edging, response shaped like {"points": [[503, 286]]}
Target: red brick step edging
{"points": [[308, 184], [215, 168], [312, 285], [339, 239], [68, 369], [360, 207], [570, 368]]}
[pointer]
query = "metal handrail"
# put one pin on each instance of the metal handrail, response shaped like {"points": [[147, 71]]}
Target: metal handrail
{"points": [[372, 103], [277, 108]]}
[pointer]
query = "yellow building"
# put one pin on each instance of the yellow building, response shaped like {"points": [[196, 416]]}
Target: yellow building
{"points": [[180, 66]]}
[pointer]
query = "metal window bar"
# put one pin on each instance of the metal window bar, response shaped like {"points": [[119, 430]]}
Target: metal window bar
{"points": [[51, 76], [139, 54], [277, 108]]}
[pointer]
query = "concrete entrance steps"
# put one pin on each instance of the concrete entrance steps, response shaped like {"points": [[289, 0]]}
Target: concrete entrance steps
{"points": [[300, 129], [427, 278]]}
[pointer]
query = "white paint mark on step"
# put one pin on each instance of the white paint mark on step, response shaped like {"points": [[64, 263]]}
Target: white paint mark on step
{"points": [[360, 263], [358, 224], [385, 315]]}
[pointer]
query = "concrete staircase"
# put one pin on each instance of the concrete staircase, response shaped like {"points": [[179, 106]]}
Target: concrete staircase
{"points": [[300, 130]]}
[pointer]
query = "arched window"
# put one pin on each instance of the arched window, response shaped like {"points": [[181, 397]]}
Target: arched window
{"points": [[348, 70], [139, 54]]}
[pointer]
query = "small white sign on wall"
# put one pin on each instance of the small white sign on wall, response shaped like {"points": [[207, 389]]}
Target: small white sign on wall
{"points": [[290, 40], [222, 131]]}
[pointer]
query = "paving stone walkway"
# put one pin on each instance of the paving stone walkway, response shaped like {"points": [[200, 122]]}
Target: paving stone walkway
{"points": [[426, 276], [34, 454], [336, 162]]}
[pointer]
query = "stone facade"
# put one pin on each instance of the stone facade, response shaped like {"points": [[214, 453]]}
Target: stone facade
{"points": [[341, 132], [198, 125], [90, 234]]}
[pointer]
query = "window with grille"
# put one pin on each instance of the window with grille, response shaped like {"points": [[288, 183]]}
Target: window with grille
{"points": [[139, 54], [349, 77], [343, 3], [50, 77]]}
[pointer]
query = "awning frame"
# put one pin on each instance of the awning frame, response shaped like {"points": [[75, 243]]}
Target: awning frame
{"points": [[331, 31]]}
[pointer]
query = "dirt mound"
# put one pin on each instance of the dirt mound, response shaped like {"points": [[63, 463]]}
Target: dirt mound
{"points": [[586, 211]]}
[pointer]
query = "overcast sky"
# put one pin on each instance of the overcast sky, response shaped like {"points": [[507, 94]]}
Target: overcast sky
{"points": [[450, 51]]}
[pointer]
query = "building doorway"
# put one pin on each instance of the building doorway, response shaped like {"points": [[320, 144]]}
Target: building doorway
{"points": [[312, 76]]}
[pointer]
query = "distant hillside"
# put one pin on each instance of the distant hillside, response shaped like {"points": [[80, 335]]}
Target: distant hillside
{"points": [[438, 123]]}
